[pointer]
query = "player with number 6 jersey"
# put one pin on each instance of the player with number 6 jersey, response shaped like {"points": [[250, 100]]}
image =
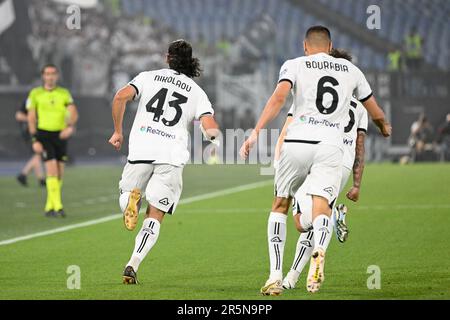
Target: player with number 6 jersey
{"points": [[322, 87], [169, 100]]}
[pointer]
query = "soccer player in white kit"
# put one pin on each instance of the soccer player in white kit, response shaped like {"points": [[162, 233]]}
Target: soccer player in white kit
{"points": [[322, 87], [354, 134], [169, 100]]}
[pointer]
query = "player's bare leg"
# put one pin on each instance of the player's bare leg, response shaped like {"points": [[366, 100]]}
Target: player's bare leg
{"points": [[33, 164], [322, 228], [145, 240], [276, 234]]}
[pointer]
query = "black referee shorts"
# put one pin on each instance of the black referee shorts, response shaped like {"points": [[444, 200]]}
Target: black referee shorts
{"points": [[54, 147]]}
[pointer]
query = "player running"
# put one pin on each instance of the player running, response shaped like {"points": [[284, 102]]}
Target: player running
{"points": [[322, 87], [353, 161], [52, 116], [169, 100], [35, 162]]}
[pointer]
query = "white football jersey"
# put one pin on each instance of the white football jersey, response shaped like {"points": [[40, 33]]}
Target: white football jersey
{"points": [[322, 87], [357, 120], [168, 103]]}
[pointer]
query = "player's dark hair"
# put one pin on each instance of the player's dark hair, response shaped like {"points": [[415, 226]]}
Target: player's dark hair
{"points": [[180, 59], [48, 65], [321, 30], [340, 53]]}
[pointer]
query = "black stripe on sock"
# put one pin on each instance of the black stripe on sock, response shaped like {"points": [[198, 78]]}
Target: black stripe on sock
{"points": [[310, 235], [144, 241], [300, 256], [277, 255], [322, 238]]}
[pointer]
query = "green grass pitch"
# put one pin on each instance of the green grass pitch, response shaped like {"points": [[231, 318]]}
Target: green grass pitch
{"points": [[217, 248]]}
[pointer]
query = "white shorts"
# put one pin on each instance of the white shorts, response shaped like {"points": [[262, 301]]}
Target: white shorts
{"points": [[162, 183], [303, 202], [320, 164]]}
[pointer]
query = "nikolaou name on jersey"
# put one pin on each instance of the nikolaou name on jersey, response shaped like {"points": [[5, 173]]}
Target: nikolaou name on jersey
{"points": [[327, 65], [178, 83]]}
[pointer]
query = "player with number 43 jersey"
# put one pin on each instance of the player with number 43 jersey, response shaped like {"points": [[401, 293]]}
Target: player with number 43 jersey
{"points": [[322, 87], [169, 100]]}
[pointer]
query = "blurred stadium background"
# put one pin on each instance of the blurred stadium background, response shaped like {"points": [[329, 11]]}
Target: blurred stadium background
{"points": [[242, 44]]}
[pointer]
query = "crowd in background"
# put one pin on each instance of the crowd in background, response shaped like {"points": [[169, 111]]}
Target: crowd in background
{"points": [[427, 143], [112, 47]]}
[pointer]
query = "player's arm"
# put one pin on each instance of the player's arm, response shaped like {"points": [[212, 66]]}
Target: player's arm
{"points": [[71, 122], [119, 103], [281, 138], [21, 116], [32, 121], [271, 110], [358, 166], [32, 124], [378, 117], [209, 127]]}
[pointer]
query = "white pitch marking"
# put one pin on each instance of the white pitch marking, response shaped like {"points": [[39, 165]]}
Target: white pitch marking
{"points": [[205, 196]]}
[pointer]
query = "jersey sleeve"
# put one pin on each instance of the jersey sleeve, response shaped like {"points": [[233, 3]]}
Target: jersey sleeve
{"points": [[68, 98], [288, 72], [363, 91], [363, 120], [31, 101], [291, 111], [138, 84], [204, 107]]}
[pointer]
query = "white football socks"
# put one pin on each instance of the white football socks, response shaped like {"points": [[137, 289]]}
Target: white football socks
{"points": [[323, 228], [145, 240], [305, 246], [123, 200], [276, 234]]}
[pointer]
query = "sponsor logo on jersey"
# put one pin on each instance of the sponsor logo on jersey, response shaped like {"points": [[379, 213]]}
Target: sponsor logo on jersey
{"points": [[348, 142], [159, 132], [319, 122]]}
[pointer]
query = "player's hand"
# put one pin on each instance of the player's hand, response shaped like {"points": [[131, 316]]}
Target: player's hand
{"points": [[248, 144], [353, 194], [116, 140], [386, 130], [37, 147], [66, 133]]}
